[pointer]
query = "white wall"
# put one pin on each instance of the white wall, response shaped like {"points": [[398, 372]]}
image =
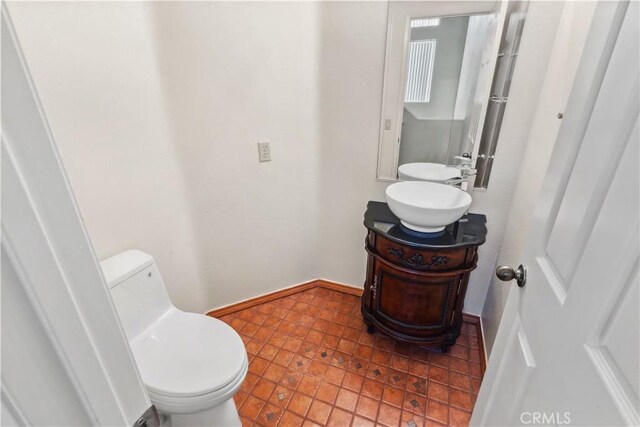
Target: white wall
{"points": [[568, 45], [158, 118], [95, 70], [474, 45], [157, 109], [426, 140], [234, 74], [352, 40]]}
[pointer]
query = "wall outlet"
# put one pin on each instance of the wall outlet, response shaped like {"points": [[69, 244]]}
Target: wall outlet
{"points": [[264, 151]]}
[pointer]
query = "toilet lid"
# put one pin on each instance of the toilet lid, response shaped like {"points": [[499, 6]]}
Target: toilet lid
{"points": [[188, 354]]}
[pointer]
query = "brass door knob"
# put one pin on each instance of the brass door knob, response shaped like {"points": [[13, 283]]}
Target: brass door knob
{"points": [[506, 274]]}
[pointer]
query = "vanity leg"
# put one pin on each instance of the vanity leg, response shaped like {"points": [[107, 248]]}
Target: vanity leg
{"points": [[370, 329]]}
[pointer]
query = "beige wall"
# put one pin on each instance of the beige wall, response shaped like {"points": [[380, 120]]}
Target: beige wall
{"points": [[234, 74], [157, 108], [95, 71], [352, 62]]}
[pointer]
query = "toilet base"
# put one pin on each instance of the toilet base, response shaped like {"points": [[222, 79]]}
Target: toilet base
{"points": [[223, 415]]}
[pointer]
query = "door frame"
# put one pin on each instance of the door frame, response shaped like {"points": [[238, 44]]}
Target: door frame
{"points": [[45, 240]]}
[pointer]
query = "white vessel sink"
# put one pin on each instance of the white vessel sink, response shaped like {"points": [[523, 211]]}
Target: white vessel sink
{"points": [[434, 172], [427, 207]]}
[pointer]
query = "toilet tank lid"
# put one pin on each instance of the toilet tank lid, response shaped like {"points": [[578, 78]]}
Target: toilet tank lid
{"points": [[120, 267]]}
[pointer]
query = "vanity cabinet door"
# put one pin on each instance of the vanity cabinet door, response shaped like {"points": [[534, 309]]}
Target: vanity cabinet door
{"points": [[369, 284], [414, 304]]}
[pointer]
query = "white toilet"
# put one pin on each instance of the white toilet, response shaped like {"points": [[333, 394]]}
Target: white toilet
{"points": [[191, 364]]}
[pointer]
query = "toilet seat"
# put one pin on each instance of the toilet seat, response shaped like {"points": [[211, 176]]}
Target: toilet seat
{"points": [[189, 362], [189, 405]]}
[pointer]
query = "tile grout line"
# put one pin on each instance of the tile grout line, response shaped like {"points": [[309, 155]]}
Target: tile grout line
{"points": [[338, 287], [284, 315]]}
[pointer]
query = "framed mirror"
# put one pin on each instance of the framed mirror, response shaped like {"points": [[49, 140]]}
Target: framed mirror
{"points": [[439, 68]]}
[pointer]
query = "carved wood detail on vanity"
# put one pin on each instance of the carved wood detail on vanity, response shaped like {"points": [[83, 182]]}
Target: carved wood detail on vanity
{"points": [[415, 286], [416, 260]]}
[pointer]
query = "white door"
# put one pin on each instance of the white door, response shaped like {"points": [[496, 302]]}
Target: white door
{"points": [[567, 350], [65, 358]]}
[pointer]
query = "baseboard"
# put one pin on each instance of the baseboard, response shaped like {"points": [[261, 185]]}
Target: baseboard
{"points": [[339, 287], [251, 302], [485, 353], [477, 322]]}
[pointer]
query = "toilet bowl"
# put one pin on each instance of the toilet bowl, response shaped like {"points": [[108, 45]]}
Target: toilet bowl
{"points": [[191, 364]]}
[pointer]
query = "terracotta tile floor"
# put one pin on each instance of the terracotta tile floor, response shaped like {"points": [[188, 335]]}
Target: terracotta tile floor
{"points": [[313, 363]]}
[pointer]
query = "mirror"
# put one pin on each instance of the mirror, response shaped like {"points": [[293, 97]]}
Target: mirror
{"points": [[439, 68], [443, 62]]}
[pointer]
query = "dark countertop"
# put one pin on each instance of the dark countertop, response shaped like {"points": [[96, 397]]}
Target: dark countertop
{"points": [[470, 230]]}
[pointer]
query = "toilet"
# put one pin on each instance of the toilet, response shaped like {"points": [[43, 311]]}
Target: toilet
{"points": [[191, 364]]}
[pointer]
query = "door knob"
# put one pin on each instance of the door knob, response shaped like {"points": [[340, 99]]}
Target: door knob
{"points": [[506, 274]]}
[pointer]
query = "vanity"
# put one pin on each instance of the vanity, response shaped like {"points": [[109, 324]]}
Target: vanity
{"points": [[447, 75], [415, 285]]}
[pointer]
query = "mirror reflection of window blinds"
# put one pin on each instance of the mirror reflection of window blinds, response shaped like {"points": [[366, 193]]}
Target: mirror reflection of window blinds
{"points": [[420, 70], [431, 22]]}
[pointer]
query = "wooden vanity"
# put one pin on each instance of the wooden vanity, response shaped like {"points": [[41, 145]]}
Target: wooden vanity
{"points": [[415, 286]]}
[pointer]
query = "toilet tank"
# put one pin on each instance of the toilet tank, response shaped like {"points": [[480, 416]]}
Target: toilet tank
{"points": [[137, 290]]}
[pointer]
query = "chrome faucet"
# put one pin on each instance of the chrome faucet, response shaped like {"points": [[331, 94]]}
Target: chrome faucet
{"points": [[461, 179], [455, 181], [465, 168], [465, 160]]}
